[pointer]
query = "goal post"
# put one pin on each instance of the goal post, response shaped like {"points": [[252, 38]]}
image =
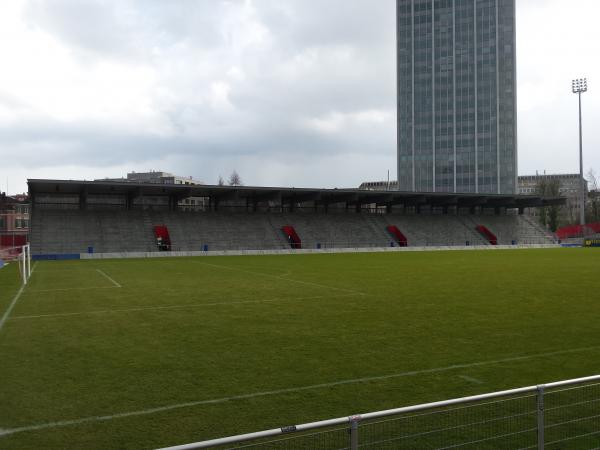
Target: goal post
{"points": [[18, 255]]}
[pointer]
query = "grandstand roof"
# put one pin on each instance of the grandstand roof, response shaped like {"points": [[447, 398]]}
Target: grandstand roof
{"points": [[289, 194]]}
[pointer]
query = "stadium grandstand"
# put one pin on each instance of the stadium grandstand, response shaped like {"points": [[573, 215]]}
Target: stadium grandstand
{"points": [[107, 216]]}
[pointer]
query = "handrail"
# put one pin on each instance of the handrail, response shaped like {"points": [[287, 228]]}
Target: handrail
{"points": [[377, 415]]}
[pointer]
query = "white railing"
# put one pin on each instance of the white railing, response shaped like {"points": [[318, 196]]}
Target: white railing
{"points": [[529, 417]]}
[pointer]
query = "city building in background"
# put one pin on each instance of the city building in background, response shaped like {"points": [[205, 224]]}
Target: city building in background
{"points": [[14, 220], [379, 186], [158, 177], [457, 96], [568, 185]]}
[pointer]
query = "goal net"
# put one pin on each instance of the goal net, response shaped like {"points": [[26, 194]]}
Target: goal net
{"points": [[21, 256]]}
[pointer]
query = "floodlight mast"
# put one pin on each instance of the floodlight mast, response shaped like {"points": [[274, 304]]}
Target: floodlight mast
{"points": [[579, 86]]}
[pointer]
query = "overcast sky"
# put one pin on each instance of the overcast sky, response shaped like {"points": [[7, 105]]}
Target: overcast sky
{"points": [[286, 92]]}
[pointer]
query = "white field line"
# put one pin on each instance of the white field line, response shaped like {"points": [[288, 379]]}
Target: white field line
{"points": [[108, 278], [14, 301], [471, 379], [89, 288], [11, 306], [281, 277], [144, 412], [191, 305]]}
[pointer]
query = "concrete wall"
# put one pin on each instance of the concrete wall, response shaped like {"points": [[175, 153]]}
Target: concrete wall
{"points": [[306, 251]]}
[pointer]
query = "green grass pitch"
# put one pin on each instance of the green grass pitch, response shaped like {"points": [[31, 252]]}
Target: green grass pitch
{"points": [[109, 354]]}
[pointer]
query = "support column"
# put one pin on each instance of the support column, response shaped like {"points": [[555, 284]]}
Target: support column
{"points": [[128, 201], [83, 200], [173, 203]]}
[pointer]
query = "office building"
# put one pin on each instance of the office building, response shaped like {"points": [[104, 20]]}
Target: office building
{"points": [[457, 96]]}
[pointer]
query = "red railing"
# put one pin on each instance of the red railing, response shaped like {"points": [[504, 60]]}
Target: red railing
{"points": [[398, 235], [572, 231], [292, 236], [486, 233]]}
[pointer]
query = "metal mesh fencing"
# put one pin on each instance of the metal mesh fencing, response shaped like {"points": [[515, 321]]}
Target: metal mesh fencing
{"points": [[572, 417], [505, 423], [563, 415], [335, 439]]}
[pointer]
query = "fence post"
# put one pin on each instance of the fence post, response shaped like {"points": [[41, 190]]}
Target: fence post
{"points": [[354, 432], [540, 417]]}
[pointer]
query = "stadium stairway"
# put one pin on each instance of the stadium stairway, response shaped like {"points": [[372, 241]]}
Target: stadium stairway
{"points": [[509, 228], [74, 231], [219, 231], [433, 230], [335, 229], [487, 234], [293, 238], [532, 230], [397, 235]]}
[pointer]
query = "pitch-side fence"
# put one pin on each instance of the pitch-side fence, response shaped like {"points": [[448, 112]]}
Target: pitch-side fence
{"points": [[562, 415]]}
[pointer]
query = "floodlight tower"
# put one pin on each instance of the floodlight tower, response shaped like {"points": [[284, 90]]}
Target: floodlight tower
{"points": [[579, 87]]}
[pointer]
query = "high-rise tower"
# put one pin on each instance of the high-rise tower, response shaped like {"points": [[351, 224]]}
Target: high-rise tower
{"points": [[457, 96]]}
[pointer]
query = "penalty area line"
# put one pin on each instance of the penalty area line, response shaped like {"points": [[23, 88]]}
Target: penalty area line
{"points": [[282, 277], [160, 409], [108, 278], [191, 305]]}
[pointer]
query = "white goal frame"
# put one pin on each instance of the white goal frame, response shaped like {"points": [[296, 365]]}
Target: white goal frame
{"points": [[22, 255]]}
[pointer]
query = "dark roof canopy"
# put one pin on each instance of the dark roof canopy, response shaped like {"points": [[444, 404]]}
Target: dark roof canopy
{"points": [[289, 194]]}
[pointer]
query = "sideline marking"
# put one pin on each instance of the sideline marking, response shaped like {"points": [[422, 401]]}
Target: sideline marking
{"points": [[144, 412], [281, 277], [191, 305], [14, 301], [10, 307], [108, 278]]}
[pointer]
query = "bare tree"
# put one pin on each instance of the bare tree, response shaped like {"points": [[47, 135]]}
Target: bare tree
{"points": [[235, 179], [592, 180], [549, 214], [593, 203], [221, 181]]}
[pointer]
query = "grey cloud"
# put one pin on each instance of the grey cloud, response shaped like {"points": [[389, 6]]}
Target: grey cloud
{"points": [[319, 61]]}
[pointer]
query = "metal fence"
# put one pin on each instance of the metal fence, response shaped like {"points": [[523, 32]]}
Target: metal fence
{"points": [[562, 415]]}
